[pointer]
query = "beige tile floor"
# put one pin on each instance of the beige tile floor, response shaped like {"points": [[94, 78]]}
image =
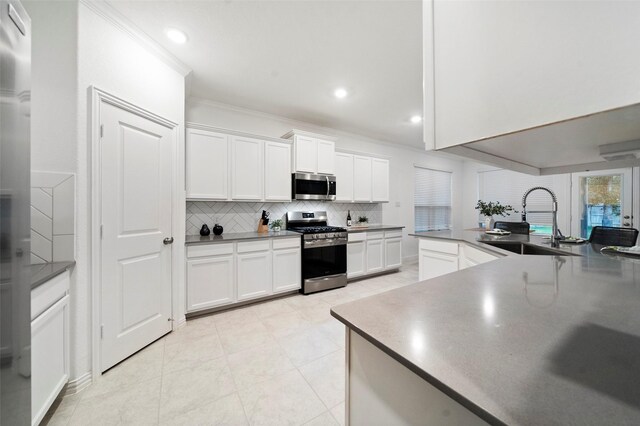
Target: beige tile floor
{"points": [[279, 362]]}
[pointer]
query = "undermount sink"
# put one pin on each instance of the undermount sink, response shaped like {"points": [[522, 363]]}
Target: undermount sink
{"points": [[522, 248]]}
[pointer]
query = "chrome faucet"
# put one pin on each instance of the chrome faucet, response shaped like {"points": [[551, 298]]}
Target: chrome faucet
{"points": [[555, 232]]}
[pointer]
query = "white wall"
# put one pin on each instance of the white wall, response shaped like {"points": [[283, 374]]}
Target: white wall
{"points": [[74, 48], [399, 211], [53, 85]]}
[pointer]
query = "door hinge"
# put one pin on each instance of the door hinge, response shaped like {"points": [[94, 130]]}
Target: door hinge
{"points": [[170, 319], [101, 226], [101, 130], [102, 331]]}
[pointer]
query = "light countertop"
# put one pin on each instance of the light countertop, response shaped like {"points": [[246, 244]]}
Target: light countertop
{"points": [[355, 229], [41, 273], [524, 339]]}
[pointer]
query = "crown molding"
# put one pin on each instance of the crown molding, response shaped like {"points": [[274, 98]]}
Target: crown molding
{"points": [[118, 20], [326, 131], [209, 128]]}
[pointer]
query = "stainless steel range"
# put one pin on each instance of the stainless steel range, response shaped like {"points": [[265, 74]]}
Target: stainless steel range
{"points": [[324, 251]]}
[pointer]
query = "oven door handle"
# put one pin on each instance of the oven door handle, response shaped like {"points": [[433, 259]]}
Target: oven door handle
{"points": [[325, 243], [328, 186]]}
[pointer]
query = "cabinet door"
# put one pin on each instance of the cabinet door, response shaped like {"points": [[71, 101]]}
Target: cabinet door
{"points": [[392, 253], [375, 256], [356, 261], [306, 154], [254, 274], [432, 264], [207, 165], [49, 357], [326, 157], [246, 168], [277, 172], [361, 178], [379, 180], [286, 270], [210, 282], [344, 177]]}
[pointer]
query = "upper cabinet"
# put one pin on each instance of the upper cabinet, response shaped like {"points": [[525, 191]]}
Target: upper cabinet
{"points": [[207, 171], [361, 179], [520, 79], [312, 153], [232, 166]]}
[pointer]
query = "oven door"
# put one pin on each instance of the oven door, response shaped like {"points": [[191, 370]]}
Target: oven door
{"points": [[324, 261], [313, 187]]}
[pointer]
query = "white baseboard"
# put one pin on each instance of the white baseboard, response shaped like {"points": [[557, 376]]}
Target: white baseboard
{"points": [[180, 322], [77, 385]]}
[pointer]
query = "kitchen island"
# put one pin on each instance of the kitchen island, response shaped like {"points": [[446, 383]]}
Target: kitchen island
{"points": [[522, 339]]}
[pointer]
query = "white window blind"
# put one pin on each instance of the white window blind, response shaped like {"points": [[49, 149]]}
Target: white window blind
{"points": [[508, 187], [432, 199]]}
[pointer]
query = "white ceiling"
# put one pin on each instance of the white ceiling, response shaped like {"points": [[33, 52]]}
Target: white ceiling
{"points": [[287, 57]]}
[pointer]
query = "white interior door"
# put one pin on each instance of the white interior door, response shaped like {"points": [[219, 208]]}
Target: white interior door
{"points": [[135, 170], [601, 198]]}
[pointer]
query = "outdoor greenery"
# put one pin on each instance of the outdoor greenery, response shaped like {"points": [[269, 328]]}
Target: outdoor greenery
{"points": [[604, 190], [494, 208]]}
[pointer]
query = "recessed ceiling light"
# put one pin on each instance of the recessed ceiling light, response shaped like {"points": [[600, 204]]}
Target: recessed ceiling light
{"points": [[176, 36], [340, 93], [416, 119]]}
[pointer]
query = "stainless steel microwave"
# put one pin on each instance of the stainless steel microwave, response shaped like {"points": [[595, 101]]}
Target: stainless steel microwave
{"points": [[306, 186]]}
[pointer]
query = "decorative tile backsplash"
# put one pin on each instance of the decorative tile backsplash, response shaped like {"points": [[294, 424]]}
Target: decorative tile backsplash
{"points": [[243, 217], [52, 217]]}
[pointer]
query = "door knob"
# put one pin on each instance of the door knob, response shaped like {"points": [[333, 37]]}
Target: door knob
{"points": [[168, 240]]}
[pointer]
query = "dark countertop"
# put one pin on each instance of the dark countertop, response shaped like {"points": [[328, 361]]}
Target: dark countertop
{"points": [[225, 238], [42, 273], [374, 228], [520, 340]]}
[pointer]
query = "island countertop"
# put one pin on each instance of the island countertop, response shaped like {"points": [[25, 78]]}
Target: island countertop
{"points": [[522, 339]]}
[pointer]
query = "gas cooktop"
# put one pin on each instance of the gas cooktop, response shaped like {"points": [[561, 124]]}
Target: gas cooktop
{"points": [[316, 229]]}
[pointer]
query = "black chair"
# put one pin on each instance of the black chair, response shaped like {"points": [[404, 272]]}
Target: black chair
{"points": [[514, 227], [613, 236]]}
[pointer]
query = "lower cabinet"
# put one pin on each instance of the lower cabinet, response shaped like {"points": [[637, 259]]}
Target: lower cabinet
{"points": [[49, 343], [436, 258], [220, 274], [373, 252], [254, 274]]}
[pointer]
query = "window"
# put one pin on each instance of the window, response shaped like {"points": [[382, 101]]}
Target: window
{"points": [[432, 199], [508, 187]]}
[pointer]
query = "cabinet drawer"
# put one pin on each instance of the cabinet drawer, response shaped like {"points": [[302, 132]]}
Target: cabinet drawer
{"points": [[393, 233], [439, 246], [47, 294], [360, 236], [250, 246], [281, 243], [375, 235], [203, 250]]}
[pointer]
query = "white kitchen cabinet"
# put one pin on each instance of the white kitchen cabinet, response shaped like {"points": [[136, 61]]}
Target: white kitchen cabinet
{"points": [[326, 157], [375, 252], [361, 179], [277, 171], [312, 153], [305, 154], [379, 180], [433, 264], [437, 257], [393, 252], [211, 281], [49, 343], [344, 177], [246, 168], [207, 165], [253, 270], [524, 80], [356, 255], [286, 264]]}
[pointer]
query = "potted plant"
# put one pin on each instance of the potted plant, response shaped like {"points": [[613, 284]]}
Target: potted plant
{"points": [[363, 220], [490, 209], [276, 225]]}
